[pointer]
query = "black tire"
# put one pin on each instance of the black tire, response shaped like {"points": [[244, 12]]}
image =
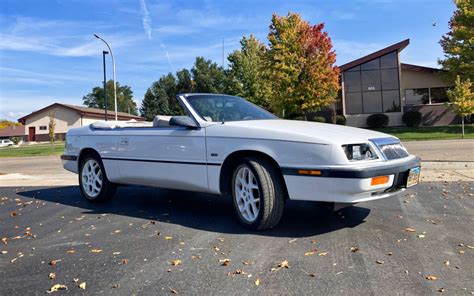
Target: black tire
{"points": [[107, 189], [271, 192]]}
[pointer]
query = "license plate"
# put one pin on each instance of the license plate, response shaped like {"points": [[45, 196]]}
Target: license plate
{"points": [[413, 176]]}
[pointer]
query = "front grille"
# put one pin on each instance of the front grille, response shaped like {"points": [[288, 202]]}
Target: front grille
{"points": [[391, 148]]}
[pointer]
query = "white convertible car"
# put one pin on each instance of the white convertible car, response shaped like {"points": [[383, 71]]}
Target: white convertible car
{"points": [[226, 145]]}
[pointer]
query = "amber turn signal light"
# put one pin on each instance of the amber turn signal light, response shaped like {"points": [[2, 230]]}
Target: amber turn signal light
{"points": [[379, 180], [309, 172]]}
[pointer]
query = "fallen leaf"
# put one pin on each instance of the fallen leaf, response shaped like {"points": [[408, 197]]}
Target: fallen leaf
{"points": [[71, 251], [125, 261], [82, 285], [354, 249], [75, 280], [446, 263], [461, 252], [216, 248], [5, 241], [56, 288], [52, 276], [173, 291], [13, 214], [380, 262], [237, 271], [95, 251], [431, 278], [292, 240], [470, 247], [196, 257], [168, 237], [421, 236], [4, 252], [257, 282], [114, 286], [224, 262], [116, 253], [220, 239], [441, 290], [309, 253], [323, 254], [54, 262], [284, 264], [117, 231], [247, 262], [176, 262], [410, 229], [312, 274]]}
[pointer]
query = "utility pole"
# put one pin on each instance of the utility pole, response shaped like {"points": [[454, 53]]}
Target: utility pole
{"points": [[113, 73], [105, 83]]}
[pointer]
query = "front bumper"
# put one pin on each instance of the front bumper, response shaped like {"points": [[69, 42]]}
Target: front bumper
{"points": [[349, 184]]}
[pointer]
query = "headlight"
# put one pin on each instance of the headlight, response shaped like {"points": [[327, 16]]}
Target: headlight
{"points": [[359, 152]]}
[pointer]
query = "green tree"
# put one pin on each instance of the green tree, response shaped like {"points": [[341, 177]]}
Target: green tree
{"points": [[150, 106], [301, 66], [458, 44], [6, 123], [52, 129], [125, 103], [462, 99], [185, 83], [246, 74], [208, 76]]}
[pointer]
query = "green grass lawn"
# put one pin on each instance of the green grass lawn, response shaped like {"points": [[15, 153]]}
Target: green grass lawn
{"points": [[429, 132], [32, 150]]}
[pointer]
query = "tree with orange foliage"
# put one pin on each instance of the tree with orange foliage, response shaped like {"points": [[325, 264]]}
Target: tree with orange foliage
{"points": [[301, 66]]}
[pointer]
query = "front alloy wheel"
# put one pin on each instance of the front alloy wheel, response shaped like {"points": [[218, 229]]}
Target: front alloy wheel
{"points": [[247, 194], [258, 193]]}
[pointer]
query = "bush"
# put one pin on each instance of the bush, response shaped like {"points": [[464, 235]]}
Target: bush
{"points": [[319, 119], [341, 120], [15, 140], [377, 120], [412, 118]]}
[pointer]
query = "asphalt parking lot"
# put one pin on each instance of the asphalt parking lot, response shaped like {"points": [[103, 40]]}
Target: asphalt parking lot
{"points": [[419, 243]]}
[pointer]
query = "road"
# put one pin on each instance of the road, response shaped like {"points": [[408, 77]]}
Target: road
{"points": [[125, 246]]}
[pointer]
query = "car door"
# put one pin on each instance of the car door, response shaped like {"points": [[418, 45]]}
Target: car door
{"points": [[168, 157]]}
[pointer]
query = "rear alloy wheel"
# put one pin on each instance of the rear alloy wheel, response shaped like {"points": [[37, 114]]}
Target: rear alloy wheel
{"points": [[93, 181], [258, 194]]}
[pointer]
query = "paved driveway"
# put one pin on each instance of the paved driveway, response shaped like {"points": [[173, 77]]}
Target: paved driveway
{"points": [[417, 244]]}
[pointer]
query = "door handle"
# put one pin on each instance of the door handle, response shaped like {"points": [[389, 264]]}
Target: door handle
{"points": [[124, 141]]}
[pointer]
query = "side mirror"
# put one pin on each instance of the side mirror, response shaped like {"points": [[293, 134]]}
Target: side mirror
{"points": [[185, 121]]}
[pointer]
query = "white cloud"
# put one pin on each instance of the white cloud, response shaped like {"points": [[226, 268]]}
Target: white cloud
{"points": [[54, 45], [146, 19]]}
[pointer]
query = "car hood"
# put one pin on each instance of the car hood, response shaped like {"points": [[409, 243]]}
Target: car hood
{"points": [[293, 130]]}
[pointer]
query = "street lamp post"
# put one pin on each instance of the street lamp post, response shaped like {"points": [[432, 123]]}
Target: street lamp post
{"points": [[113, 73], [105, 83]]}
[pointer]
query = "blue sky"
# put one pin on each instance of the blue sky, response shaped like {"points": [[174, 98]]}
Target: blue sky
{"points": [[48, 53]]}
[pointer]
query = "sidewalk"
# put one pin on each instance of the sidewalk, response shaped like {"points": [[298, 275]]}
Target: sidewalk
{"points": [[443, 150]]}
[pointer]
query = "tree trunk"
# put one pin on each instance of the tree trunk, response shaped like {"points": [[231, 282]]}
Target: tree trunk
{"points": [[462, 123]]}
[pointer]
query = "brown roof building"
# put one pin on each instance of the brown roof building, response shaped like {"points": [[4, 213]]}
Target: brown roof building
{"points": [[66, 117], [380, 83]]}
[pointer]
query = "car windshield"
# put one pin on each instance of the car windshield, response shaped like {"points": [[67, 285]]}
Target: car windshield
{"points": [[220, 108]]}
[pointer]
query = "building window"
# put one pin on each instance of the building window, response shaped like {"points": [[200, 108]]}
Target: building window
{"points": [[43, 127], [426, 96], [373, 87]]}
